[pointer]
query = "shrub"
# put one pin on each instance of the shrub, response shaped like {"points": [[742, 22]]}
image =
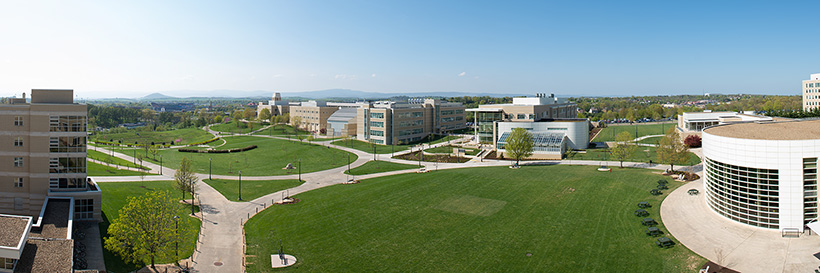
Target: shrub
{"points": [[203, 142], [234, 150], [692, 141]]}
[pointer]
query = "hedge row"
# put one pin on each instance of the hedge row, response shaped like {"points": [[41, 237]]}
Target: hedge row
{"points": [[164, 145], [203, 142], [235, 150]]}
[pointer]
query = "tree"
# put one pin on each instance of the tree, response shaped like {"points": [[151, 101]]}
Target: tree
{"points": [[519, 144], [275, 120], [145, 229], [185, 177], [623, 149], [671, 149], [154, 151], [264, 114], [310, 138], [218, 119], [237, 115], [248, 113], [692, 141]]}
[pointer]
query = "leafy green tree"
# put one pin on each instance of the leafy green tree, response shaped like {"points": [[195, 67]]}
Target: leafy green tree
{"points": [[185, 177], [623, 148], [145, 229], [671, 149], [519, 144], [218, 119], [264, 115]]}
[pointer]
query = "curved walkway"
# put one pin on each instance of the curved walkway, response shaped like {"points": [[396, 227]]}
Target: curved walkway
{"points": [[222, 240]]}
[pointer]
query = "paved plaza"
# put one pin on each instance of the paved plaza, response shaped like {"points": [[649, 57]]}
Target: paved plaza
{"points": [[738, 246]]}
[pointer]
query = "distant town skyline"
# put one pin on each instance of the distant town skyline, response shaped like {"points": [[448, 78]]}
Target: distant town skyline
{"points": [[132, 49]]}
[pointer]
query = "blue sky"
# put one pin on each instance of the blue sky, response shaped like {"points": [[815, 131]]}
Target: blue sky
{"points": [[130, 49]]}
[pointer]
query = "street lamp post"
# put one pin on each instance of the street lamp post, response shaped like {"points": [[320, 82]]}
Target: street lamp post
{"points": [[135, 153], [300, 170], [160, 165], [209, 169], [240, 185], [176, 242], [348, 163]]}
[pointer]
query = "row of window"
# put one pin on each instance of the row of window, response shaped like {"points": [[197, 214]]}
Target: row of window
{"points": [[377, 124], [376, 133], [67, 124], [746, 195], [67, 165], [376, 115], [410, 123], [409, 115], [66, 144], [67, 183], [411, 132]]}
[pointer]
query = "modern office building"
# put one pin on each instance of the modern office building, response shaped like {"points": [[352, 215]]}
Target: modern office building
{"points": [[695, 122], [551, 138], [43, 154], [763, 174], [811, 92], [312, 115], [529, 109], [389, 122]]}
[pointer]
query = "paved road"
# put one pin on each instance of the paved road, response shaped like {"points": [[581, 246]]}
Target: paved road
{"points": [[222, 240]]}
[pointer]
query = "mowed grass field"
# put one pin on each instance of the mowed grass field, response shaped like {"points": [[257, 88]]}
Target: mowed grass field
{"points": [[280, 130], [251, 189], [115, 196], [178, 136], [641, 154], [609, 133], [94, 169], [237, 127], [567, 218], [271, 156]]}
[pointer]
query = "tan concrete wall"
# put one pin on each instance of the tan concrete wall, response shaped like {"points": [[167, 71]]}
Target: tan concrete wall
{"points": [[313, 118]]}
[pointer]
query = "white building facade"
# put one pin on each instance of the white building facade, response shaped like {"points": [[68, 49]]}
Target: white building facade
{"points": [[763, 174], [550, 138], [811, 92]]}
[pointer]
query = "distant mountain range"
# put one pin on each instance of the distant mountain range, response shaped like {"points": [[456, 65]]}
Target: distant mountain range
{"points": [[320, 94]]}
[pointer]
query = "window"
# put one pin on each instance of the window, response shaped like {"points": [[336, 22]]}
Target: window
{"points": [[67, 183], [447, 112], [378, 124], [67, 124], [376, 115], [522, 116], [411, 123], [376, 133], [67, 165], [18, 120], [411, 132], [18, 162], [418, 114], [18, 182], [84, 209], [448, 119], [66, 144], [8, 263], [18, 142]]}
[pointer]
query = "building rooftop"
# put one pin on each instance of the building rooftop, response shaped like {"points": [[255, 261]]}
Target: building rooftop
{"points": [[46, 256], [14, 229], [343, 114], [55, 220], [786, 130]]}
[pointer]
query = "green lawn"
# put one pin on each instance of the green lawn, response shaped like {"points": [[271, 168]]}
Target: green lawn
{"points": [[609, 133], [650, 140], [449, 150], [380, 167], [107, 158], [386, 149], [115, 196], [569, 218], [271, 156], [280, 130], [94, 169], [178, 136], [641, 154], [251, 189], [232, 127]]}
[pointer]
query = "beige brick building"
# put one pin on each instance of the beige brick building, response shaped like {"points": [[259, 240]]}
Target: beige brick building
{"points": [[390, 122], [811, 92], [313, 115], [43, 154]]}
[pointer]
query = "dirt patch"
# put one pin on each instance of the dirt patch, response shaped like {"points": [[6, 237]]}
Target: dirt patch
{"points": [[471, 205]]}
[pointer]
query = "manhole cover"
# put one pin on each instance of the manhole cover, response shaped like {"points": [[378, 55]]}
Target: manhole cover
{"points": [[529, 254], [218, 263]]}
